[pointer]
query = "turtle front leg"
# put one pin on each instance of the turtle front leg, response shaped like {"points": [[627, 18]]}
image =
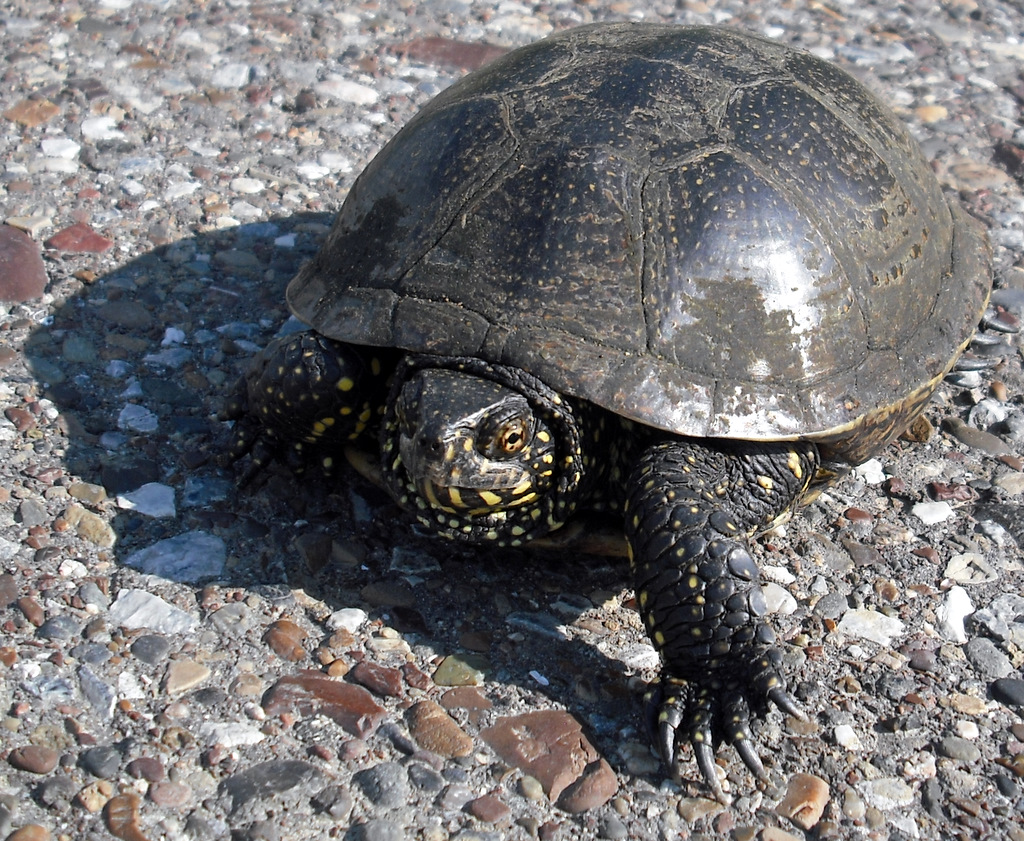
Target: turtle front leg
{"points": [[303, 398], [690, 509]]}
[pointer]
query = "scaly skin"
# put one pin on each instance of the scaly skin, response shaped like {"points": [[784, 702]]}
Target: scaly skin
{"points": [[690, 508]]}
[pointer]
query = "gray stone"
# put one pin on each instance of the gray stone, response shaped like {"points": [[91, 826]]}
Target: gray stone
{"points": [[987, 659], [267, 780], [386, 785], [59, 628], [193, 556], [101, 761]]}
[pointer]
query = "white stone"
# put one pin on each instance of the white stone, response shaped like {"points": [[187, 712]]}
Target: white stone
{"points": [[133, 188], [247, 185], [232, 75], [349, 618], [311, 171], [172, 336], [967, 730], [152, 500], [245, 210], [100, 128], [135, 418], [970, 568], [335, 162], [952, 612], [871, 625], [931, 513], [870, 472], [780, 575], [180, 189], [345, 90], [230, 734], [60, 147], [70, 568], [847, 737], [136, 609], [780, 600], [886, 793]]}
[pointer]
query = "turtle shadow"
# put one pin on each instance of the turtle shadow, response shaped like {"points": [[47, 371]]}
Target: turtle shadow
{"points": [[139, 360]]}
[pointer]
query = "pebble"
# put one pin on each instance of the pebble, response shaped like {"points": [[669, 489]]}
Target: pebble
{"points": [[59, 628], [151, 649], [550, 746], [311, 693], [957, 748], [932, 513], [382, 680], [147, 768], [286, 639], [489, 809], [22, 273], [137, 609], [1009, 691], [135, 418], [872, 625], [805, 800], [386, 785], [30, 832], [436, 731], [987, 659], [335, 801], [380, 829], [79, 239], [266, 781], [36, 759], [170, 795], [152, 499], [102, 761], [192, 557], [955, 608], [183, 675], [90, 527], [461, 670]]}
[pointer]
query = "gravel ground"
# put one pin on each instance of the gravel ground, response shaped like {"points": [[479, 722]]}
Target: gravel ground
{"points": [[179, 659]]}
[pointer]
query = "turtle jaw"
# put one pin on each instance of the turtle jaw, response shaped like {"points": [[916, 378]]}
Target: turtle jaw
{"points": [[452, 476]]}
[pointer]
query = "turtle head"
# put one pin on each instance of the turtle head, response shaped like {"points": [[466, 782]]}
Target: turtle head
{"points": [[473, 457]]}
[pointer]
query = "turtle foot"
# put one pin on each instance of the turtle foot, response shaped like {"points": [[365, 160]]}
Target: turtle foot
{"points": [[715, 707]]}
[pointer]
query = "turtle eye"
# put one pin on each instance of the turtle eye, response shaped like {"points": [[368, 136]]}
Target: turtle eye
{"points": [[507, 437], [512, 436]]}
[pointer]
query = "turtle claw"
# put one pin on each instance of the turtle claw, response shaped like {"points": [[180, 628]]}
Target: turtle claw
{"points": [[715, 711]]}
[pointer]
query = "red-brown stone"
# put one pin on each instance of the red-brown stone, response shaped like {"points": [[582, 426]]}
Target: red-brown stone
{"points": [[382, 680], [449, 52], [22, 273], [312, 693], [79, 239], [550, 746]]}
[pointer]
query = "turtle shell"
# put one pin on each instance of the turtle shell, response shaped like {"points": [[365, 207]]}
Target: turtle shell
{"points": [[696, 228]]}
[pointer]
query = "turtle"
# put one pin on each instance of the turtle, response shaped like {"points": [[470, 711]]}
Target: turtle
{"points": [[683, 277]]}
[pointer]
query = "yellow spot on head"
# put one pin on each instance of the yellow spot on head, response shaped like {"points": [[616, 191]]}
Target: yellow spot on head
{"points": [[346, 384], [765, 482], [490, 498]]}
